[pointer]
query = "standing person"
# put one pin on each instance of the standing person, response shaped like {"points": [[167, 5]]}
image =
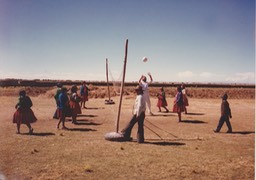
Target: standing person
{"points": [[63, 107], [225, 115], [84, 93], [178, 106], [185, 99], [144, 84], [139, 109], [162, 100], [56, 97], [74, 103], [24, 113]]}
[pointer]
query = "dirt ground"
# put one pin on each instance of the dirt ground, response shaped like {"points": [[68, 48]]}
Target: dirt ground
{"points": [[172, 150]]}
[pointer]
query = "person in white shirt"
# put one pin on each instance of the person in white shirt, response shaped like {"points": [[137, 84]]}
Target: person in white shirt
{"points": [[144, 84], [139, 109]]}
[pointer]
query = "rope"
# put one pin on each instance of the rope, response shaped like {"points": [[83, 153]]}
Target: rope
{"points": [[161, 129], [154, 132]]}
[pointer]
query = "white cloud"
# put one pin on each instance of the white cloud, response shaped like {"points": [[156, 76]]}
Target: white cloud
{"points": [[206, 75], [247, 77], [186, 74]]}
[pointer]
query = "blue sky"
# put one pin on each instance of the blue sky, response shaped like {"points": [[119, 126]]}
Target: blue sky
{"points": [[184, 40]]}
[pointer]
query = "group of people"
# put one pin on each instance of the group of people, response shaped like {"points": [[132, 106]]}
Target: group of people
{"points": [[67, 106], [143, 100], [180, 103], [70, 106]]}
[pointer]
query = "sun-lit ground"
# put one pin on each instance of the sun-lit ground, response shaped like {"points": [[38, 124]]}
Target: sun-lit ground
{"points": [[172, 150]]}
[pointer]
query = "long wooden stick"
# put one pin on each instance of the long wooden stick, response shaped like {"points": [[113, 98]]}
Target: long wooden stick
{"points": [[122, 86], [107, 78]]}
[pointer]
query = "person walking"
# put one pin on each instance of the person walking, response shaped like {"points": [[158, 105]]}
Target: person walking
{"points": [[225, 115], [24, 113], [162, 100]]}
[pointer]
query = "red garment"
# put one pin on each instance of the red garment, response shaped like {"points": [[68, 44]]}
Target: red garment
{"points": [[161, 100], [177, 108], [84, 98], [75, 107], [24, 116]]}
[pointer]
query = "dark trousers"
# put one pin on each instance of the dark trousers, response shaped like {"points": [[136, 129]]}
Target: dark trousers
{"points": [[221, 122], [128, 129]]}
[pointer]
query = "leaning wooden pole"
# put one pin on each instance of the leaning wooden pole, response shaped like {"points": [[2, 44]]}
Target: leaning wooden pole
{"points": [[122, 86], [107, 78]]}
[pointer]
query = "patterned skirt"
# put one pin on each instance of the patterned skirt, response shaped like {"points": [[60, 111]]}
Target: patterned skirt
{"points": [[24, 116], [178, 108]]}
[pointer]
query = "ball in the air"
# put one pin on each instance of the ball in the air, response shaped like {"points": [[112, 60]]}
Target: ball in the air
{"points": [[144, 59]]}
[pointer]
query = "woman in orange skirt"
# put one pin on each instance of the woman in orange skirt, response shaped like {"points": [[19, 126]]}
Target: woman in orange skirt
{"points": [[178, 106], [24, 113], [74, 103]]}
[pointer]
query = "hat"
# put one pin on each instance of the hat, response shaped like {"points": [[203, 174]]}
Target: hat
{"points": [[225, 97], [22, 93], [59, 85]]}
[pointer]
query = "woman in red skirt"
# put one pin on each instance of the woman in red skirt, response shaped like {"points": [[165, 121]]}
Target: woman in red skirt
{"points": [[162, 100], [74, 104], [178, 106], [24, 114]]}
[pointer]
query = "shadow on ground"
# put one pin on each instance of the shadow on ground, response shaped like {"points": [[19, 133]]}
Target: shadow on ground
{"points": [[39, 134], [193, 121], [164, 143]]}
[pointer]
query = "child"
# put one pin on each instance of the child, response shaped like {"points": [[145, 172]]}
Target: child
{"points": [[144, 84], [63, 107], [74, 104], [24, 114], [138, 116], [84, 92], [225, 115], [178, 106], [56, 97], [162, 100], [185, 99]]}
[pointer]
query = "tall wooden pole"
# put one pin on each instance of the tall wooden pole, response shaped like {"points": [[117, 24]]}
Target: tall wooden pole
{"points": [[122, 86], [107, 78]]}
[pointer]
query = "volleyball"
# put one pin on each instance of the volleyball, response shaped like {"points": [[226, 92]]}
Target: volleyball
{"points": [[144, 59]]}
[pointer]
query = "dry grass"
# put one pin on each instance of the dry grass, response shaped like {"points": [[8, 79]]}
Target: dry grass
{"points": [[188, 150], [101, 92]]}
